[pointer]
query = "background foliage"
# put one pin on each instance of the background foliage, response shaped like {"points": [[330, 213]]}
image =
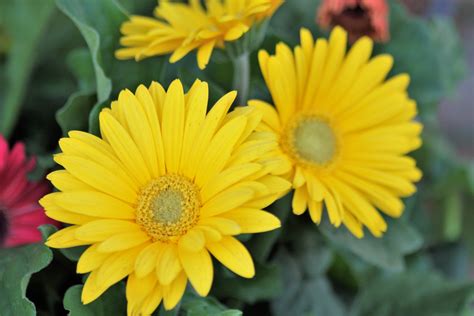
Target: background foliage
{"points": [[57, 71]]}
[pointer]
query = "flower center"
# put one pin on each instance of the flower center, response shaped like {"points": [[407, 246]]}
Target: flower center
{"points": [[168, 207], [311, 140], [3, 226]]}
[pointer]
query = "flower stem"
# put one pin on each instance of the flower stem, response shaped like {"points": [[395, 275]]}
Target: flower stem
{"points": [[241, 78]]}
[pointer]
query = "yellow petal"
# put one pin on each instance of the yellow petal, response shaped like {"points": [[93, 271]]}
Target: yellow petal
{"points": [[300, 200], [173, 293], [124, 147], [226, 178], [223, 225], [204, 54], [196, 113], [253, 220], [98, 177], [65, 238], [198, 268], [140, 129], [147, 259], [102, 229], [270, 115], [60, 214], [315, 210], [173, 125], [232, 254], [123, 241], [193, 240], [117, 266], [169, 265], [213, 119], [137, 290], [90, 259], [219, 150], [92, 289], [145, 98], [151, 302], [64, 181], [94, 203], [227, 200], [210, 234]]}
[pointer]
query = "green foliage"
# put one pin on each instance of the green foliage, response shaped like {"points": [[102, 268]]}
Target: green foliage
{"points": [[412, 47], [450, 57], [387, 252], [307, 289], [111, 302], [193, 305], [99, 23], [71, 115], [413, 293], [266, 284], [24, 23], [16, 267]]}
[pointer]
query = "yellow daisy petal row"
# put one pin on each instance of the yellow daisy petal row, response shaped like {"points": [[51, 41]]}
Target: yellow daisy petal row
{"points": [[180, 28]]}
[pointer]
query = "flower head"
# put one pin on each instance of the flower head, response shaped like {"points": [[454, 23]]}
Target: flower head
{"points": [[20, 213], [344, 128], [358, 17], [180, 28], [166, 187]]}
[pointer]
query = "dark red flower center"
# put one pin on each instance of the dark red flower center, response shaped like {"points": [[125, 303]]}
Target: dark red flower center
{"points": [[356, 20], [3, 226]]}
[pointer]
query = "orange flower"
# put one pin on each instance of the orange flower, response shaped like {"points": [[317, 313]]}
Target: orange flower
{"points": [[358, 17]]}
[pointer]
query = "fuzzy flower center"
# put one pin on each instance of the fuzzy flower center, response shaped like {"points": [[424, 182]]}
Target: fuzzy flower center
{"points": [[311, 139], [168, 207], [3, 226]]}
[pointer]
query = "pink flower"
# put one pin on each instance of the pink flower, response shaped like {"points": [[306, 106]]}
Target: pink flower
{"points": [[358, 17], [20, 213]]}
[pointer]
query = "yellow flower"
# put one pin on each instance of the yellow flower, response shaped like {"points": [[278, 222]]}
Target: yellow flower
{"points": [[166, 187], [344, 129], [181, 28]]}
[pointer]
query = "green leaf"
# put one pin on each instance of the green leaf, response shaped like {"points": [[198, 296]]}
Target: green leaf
{"points": [[80, 63], [193, 305], [24, 22], [415, 52], [266, 284], [386, 252], [99, 23], [74, 114], [16, 267], [291, 17], [112, 302], [449, 50], [413, 293], [304, 261], [307, 291]]}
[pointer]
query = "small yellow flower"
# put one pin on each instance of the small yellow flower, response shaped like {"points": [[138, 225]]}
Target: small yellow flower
{"points": [[180, 28], [344, 129], [166, 187]]}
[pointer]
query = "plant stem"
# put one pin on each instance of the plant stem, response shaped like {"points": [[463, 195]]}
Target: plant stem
{"points": [[241, 78]]}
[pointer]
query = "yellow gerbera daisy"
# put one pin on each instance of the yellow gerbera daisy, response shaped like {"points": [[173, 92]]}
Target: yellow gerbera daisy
{"points": [[181, 28], [344, 128], [165, 187]]}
